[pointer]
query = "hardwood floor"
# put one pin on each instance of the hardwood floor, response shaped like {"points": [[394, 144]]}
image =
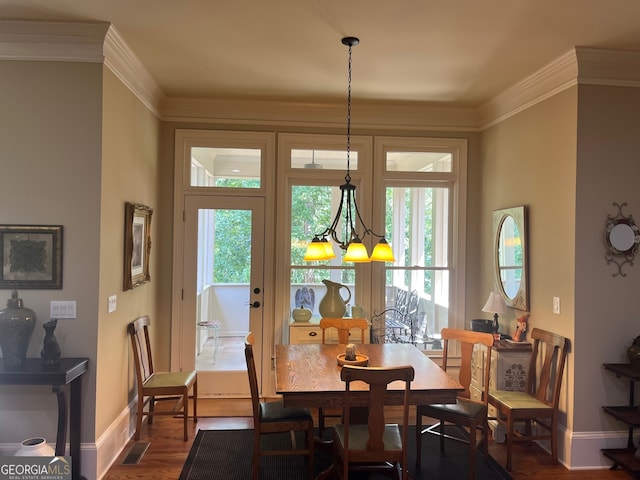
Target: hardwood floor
{"points": [[167, 451]]}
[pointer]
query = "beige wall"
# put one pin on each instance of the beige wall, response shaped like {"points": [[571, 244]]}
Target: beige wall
{"points": [[130, 172], [530, 159], [50, 155]]}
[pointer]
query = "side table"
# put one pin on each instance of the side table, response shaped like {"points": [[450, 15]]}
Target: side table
{"points": [[68, 373]]}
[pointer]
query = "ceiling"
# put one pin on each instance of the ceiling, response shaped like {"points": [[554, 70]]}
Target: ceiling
{"points": [[453, 52]]}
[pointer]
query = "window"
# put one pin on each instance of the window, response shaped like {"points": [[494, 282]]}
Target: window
{"points": [[413, 190]]}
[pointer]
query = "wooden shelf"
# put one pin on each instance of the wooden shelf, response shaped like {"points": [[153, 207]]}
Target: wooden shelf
{"points": [[623, 457], [628, 415]]}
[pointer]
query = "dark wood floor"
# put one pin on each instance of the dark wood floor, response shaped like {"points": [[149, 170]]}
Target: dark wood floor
{"points": [[167, 451]]}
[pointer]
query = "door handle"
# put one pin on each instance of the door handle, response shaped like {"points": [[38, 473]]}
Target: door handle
{"points": [[255, 304]]}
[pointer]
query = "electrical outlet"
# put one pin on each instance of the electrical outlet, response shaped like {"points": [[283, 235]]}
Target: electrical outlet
{"points": [[112, 304], [556, 305]]}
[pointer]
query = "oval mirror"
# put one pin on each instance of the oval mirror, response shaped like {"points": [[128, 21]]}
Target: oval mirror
{"points": [[511, 256]]}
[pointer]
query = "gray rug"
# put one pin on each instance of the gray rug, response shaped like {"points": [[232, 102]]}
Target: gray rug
{"points": [[226, 455]]}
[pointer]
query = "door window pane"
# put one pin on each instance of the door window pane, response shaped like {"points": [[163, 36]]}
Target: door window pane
{"points": [[225, 167]]}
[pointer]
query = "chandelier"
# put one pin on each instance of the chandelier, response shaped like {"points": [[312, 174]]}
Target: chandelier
{"points": [[320, 247]]}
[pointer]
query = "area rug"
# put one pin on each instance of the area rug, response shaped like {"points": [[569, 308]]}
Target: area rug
{"points": [[226, 455]]}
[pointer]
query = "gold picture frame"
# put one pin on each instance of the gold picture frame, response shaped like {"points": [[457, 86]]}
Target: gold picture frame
{"points": [[31, 256], [137, 245]]}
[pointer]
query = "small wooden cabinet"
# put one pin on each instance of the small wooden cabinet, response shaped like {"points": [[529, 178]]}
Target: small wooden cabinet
{"points": [[509, 367], [629, 415], [309, 332]]}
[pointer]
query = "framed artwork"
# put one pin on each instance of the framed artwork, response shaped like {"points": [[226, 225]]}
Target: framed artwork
{"points": [[137, 245], [31, 256]]}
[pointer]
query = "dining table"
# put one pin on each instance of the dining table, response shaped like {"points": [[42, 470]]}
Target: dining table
{"points": [[308, 375]]}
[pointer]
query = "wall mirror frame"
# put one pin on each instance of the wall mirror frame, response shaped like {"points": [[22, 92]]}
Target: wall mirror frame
{"points": [[621, 237], [510, 253]]}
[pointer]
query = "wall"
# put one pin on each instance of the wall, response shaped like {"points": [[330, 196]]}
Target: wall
{"points": [[50, 119], [607, 307], [530, 159], [130, 172]]}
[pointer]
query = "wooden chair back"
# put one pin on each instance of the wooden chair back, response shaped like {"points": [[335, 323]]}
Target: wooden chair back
{"points": [[548, 357], [143, 360], [343, 325], [253, 377], [378, 380], [467, 339]]}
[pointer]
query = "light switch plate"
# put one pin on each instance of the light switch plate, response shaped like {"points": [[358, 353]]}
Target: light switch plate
{"points": [[112, 304], [62, 309], [556, 305]]}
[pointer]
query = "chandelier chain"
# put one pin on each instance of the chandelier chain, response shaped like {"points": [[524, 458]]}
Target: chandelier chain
{"points": [[348, 176]]}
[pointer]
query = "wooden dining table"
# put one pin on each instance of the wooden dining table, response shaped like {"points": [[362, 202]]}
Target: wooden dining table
{"points": [[308, 375]]}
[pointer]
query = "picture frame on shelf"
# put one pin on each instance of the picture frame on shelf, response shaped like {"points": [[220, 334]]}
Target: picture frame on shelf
{"points": [[137, 245], [31, 256]]}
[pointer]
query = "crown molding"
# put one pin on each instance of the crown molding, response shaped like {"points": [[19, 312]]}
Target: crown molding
{"points": [[367, 115], [550, 80], [100, 42], [52, 41], [125, 65]]}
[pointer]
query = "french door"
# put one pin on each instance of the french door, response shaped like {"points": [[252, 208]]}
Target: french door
{"points": [[223, 290]]}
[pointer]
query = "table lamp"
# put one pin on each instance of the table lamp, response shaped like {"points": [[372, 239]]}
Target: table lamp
{"points": [[495, 304]]}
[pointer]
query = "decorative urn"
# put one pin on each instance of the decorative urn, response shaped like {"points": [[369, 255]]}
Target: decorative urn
{"points": [[301, 314], [16, 328]]}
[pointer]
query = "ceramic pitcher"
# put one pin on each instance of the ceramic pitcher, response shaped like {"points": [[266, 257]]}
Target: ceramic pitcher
{"points": [[332, 304]]}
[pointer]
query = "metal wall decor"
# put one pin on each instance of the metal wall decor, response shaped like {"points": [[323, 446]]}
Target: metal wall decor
{"points": [[622, 238]]}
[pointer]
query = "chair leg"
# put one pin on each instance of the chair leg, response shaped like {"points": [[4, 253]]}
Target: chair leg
{"points": [[195, 401], [152, 405], [255, 463], [554, 440], [320, 421], [309, 442], [136, 436], [441, 435], [185, 413], [418, 439], [509, 441], [472, 452]]}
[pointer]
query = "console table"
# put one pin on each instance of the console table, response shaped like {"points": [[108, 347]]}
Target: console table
{"points": [[68, 373]]}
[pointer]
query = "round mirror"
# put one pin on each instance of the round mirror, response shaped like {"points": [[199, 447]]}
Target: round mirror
{"points": [[511, 256], [621, 237]]}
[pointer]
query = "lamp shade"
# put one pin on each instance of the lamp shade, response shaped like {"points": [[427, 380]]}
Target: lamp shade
{"points": [[495, 304], [382, 252], [316, 250], [356, 252]]}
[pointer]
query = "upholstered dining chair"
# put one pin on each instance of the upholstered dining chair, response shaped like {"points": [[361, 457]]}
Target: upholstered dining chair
{"points": [[273, 417], [538, 404], [343, 326], [466, 412], [156, 386], [374, 445]]}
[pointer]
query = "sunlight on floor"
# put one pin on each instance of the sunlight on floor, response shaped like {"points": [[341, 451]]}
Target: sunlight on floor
{"points": [[229, 354]]}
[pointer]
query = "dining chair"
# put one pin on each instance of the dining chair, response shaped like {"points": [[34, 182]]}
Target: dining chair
{"points": [[374, 445], [157, 386], [273, 417], [343, 325], [466, 412], [538, 404]]}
